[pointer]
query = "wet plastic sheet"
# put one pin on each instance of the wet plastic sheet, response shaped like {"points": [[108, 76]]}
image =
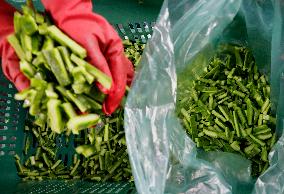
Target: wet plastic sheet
{"points": [[163, 158]]}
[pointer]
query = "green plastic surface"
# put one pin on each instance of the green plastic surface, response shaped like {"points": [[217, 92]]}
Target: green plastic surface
{"points": [[123, 10], [132, 21]]}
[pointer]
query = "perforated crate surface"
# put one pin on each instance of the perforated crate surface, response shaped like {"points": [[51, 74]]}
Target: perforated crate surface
{"points": [[138, 31], [12, 115], [68, 187]]}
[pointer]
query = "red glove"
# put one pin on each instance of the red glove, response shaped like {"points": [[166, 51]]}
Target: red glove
{"points": [[92, 31], [97, 36], [10, 61]]}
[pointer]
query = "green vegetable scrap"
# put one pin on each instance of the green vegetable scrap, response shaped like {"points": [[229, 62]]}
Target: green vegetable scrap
{"points": [[229, 108], [103, 148], [133, 51]]}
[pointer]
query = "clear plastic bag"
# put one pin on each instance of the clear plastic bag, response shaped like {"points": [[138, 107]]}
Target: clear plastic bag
{"points": [[163, 158]]}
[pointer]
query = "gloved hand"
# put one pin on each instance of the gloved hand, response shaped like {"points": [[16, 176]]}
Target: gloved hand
{"points": [[10, 61], [93, 32], [97, 36]]}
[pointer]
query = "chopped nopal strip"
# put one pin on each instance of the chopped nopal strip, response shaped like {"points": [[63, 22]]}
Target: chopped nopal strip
{"points": [[63, 39], [82, 122], [55, 115], [102, 78], [57, 66], [14, 42]]}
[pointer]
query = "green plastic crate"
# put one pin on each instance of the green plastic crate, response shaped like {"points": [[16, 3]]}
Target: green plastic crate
{"points": [[132, 21]]}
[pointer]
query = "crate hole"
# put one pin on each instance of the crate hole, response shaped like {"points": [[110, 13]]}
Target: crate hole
{"points": [[3, 128], [132, 29], [10, 95], [12, 153], [3, 93], [15, 115], [82, 133], [13, 138], [136, 37], [14, 128], [4, 106], [34, 139], [8, 115], [15, 122], [2, 145], [2, 153], [138, 27], [59, 142], [12, 145], [3, 120], [146, 27], [3, 84], [3, 138], [143, 39], [65, 159]]}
